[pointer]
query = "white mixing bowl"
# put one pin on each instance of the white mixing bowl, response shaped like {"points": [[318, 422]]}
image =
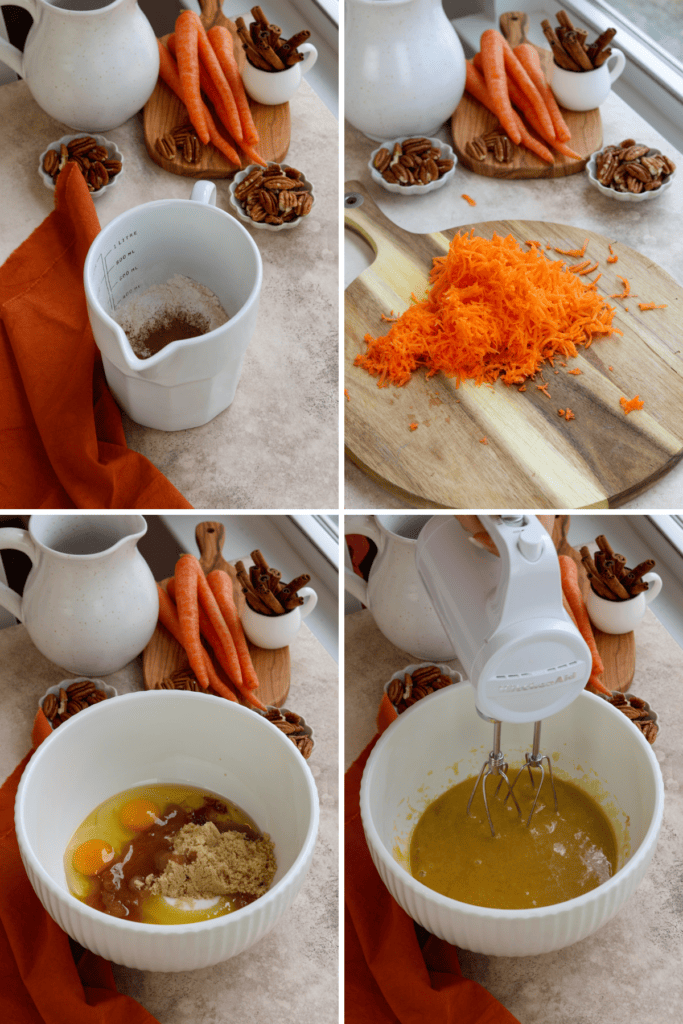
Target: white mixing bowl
{"points": [[166, 736], [441, 740]]}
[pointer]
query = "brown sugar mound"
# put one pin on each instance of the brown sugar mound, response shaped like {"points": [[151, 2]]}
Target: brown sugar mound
{"points": [[207, 863]]}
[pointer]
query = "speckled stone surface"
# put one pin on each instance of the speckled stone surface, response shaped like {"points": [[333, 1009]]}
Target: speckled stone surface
{"points": [[292, 974], [646, 227], [628, 971], [276, 446]]}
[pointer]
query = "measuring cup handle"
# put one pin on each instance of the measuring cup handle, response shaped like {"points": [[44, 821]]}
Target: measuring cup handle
{"points": [[204, 192]]}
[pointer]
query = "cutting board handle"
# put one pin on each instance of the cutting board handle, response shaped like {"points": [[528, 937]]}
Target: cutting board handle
{"points": [[514, 26], [210, 538], [369, 222]]}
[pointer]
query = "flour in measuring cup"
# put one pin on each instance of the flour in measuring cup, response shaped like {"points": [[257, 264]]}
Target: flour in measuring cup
{"points": [[169, 312]]}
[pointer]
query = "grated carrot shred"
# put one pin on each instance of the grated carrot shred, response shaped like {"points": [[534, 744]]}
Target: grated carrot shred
{"points": [[650, 305], [632, 405], [492, 311], [588, 270], [413, 426], [626, 294], [346, 393], [576, 372], [612, 258], [573, 252], [569, 415], [484, 440], [469, 199], [579, 268], [533, 241]]}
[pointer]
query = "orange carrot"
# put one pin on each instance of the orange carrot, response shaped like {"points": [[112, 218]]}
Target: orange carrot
{"points": [[493, 63], [216, 74], [467, 329], [531, 62], [221, 41], [210, 634], [187, 52], [221, 587], [188, 616], [521, 100], [476, 86], [215, 136], [517, 72], [570, 588]]}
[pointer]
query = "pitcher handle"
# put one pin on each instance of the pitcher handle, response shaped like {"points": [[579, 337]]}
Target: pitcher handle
{"points": [[310, 57], [204, 192], [9, 54], [366, 526], [310, 600], [618, 66], [20, 540]]}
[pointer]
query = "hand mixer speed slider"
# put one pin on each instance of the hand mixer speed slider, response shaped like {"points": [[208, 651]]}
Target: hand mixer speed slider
{"points": [[523, 655]]}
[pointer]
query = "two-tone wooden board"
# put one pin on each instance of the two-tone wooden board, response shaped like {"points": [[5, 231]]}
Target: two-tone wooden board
{"points": [[163, 112], [163, 655], [533, 458], [471, 119]]}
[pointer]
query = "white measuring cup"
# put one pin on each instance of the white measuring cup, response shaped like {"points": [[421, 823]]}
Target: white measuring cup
{"points": [[187, 383]]}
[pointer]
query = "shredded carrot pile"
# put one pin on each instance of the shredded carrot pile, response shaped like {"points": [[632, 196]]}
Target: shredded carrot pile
{"points": [[573, 252], [631, 406], [650, 305], [492, 310], [469, 199]]}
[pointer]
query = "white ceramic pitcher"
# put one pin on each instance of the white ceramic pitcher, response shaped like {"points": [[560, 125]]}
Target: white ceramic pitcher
{"points": [[405, 67], [90, 64], [394, 592], [90, 602]]}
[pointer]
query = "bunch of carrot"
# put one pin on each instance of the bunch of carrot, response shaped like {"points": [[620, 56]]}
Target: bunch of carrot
{"points": [[502, 78], [195, 606], [206, 63]]}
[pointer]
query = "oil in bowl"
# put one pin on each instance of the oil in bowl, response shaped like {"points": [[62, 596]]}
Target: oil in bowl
{"points": [[168, 854], [560, 855]]}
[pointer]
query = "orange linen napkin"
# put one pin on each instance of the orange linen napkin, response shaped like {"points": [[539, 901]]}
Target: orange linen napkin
{"points": [[40, 981], [396, 972], [62, 442]]}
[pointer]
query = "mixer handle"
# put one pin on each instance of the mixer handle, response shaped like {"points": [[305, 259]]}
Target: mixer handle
{"points": [[529, 569]]}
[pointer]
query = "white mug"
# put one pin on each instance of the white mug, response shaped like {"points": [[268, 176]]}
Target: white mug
{"points": [[271, 87], [188, 382], [622, 616], [275, 631], [586, 90]]}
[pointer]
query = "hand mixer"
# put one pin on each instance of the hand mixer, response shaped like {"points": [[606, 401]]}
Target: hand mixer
{"points": [[504, 615]]}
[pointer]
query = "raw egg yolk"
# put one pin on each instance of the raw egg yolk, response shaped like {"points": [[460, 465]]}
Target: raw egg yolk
{"points": [[139, 815], [92, 857]]}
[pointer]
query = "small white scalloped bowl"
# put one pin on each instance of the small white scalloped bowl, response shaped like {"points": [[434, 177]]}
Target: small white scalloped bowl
{"points": [[625, 197], [113, 153], [413, 190], [261, 225], [444, 669], [166, 736], [99, 683], [441, 740]]}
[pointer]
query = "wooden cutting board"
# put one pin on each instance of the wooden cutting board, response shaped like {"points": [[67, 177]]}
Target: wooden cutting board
{"points": [[164, 655], [471, 119], [618, 652], [164, 111], [533, 459]]}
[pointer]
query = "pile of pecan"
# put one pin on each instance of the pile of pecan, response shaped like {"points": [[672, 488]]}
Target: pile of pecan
{"points": [[635, 709], [412, 162], [403, 693], [69, 702], [180, 142], [181, 679], [292, 725], [92, 159], [275, 195], [494, 141], [632, 167]]}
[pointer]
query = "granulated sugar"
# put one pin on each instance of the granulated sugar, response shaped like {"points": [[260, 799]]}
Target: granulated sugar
{"points": [[169, 312]]}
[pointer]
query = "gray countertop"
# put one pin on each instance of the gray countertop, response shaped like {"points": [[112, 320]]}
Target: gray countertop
{"points": [[629, 970], [290, 975], [646, 227], [276, 446]]}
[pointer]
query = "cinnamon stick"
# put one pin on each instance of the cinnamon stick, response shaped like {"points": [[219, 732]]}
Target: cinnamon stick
{"points": [[267, 596], [615, 585], [604, 545], [575, 50], [258, 559], [299, 38], [563, 19], [260, 17], [601, 58], [600, 43], [561, 58]]}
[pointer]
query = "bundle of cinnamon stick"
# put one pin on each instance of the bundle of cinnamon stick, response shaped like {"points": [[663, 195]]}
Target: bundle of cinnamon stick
{"points": [[569, 46], [264, 590], [610, 577], [264, 46]]}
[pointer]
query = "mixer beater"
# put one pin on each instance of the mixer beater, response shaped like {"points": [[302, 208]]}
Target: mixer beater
{"points": [[523, 655]]}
